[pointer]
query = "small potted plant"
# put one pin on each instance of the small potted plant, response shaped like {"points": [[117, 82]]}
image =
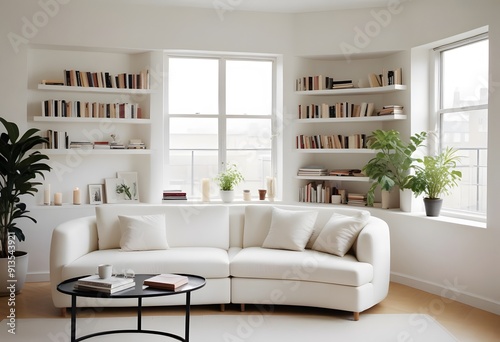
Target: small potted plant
{"points": [[19, 166], [392, 164], [227, 180], [434, 177]]}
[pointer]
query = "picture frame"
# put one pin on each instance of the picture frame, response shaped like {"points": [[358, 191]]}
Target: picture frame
{"points": [[131, 184], [111, 195], [95, 194]]}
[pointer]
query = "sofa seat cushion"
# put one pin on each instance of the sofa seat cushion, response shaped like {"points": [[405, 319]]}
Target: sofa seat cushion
{"points": [[205, 261], [308, 265]]}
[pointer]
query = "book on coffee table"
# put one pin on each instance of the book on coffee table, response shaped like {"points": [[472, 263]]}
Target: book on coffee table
{"points": [[107, 290], [110, 282], [166, 281]]}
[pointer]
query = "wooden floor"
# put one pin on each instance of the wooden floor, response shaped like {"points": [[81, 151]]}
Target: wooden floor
{"points": [[466, 323]]}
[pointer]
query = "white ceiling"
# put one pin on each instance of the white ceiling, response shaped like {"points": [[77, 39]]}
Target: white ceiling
{"points": [[279, 6]]}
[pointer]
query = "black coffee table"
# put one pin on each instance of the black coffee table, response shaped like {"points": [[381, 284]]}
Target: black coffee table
{"points": [[195, 283]]}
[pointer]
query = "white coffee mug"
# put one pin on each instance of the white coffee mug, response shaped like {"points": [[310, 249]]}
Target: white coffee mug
{"points": [[105, 271]]}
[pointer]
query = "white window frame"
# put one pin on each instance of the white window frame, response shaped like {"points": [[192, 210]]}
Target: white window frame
{"points": [[222, 116], [437, 113]]}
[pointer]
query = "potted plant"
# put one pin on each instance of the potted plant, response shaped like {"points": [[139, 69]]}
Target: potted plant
{"points": [[227, 180], [18, 168], [391, 165], [435, 176]]}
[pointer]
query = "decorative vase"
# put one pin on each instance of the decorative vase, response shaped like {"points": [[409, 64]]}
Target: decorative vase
{"points": [[386, 197], [19, 266], [433, 206], [227, 196]]}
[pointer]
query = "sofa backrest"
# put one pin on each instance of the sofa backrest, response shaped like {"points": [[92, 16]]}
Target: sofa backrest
{"points": [[186, 225], [257, 221]]}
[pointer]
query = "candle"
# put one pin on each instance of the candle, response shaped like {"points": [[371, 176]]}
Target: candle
{"points": [[46, 195], [271, 188], [205, 189], [246, 195], [58, 198], [76, 196]]}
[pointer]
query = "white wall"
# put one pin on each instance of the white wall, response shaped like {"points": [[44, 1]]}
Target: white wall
{"points": [[426, 253]]}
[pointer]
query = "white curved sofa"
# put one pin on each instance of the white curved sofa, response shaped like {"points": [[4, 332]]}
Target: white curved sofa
{"points": [[224, 244]]}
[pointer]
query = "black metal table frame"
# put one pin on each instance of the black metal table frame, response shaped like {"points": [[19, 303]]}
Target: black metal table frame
{"points": [[75, 294]]}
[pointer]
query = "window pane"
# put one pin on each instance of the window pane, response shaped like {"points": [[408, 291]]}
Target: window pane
{"points": [[465, 75], [193, 86], [468, 132], [255, 166], [186, 168], [249, 87], [249, 146], [465, 129], [248, 133], [197, 133]]}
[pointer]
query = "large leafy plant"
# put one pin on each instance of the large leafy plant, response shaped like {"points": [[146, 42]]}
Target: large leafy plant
{"points": [[18, 167], [392, 164], [229, 178], [436, 175]]}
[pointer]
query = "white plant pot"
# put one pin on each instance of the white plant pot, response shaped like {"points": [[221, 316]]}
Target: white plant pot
{"points": [[20, 267], [227, 196], [405, 200]]}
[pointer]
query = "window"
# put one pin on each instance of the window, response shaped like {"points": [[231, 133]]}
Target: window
{"points": [[220, 112], [462, 118]]}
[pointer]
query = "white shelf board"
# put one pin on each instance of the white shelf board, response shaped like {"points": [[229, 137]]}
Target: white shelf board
{"points": [[356, 119], [337, 150], [337, 178], [91, 120], [95, 152], [354, 91], [93, 89]]}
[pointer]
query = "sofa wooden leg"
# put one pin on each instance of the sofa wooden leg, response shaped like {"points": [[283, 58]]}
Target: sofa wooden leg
{"points": [[64, 312], [356, 316], [222, 307], [242, 307]]}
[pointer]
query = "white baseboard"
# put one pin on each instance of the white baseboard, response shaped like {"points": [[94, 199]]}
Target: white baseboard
{"points": [[35, 277], [447, 291]]}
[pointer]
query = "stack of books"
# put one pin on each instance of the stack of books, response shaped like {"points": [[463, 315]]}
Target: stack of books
{"points": [[356, 199], [312, 171], [391, 110], [136, 144], [347, 172], [108, 285], [85, 145], [102, 145], [174, 195], [166, 281]]}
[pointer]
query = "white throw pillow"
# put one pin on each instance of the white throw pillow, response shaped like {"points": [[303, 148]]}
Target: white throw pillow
{"points": [[141, 233], [340, 232], [290, 229]]}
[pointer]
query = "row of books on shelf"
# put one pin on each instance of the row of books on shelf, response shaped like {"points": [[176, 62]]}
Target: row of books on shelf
{"points": [[320, 82], [60, 140], [334, 141], [173, 195], [320, 171], [111, 285], [386, 78], [82, 109], [314, 192], [338, 110], [77, 78]]}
